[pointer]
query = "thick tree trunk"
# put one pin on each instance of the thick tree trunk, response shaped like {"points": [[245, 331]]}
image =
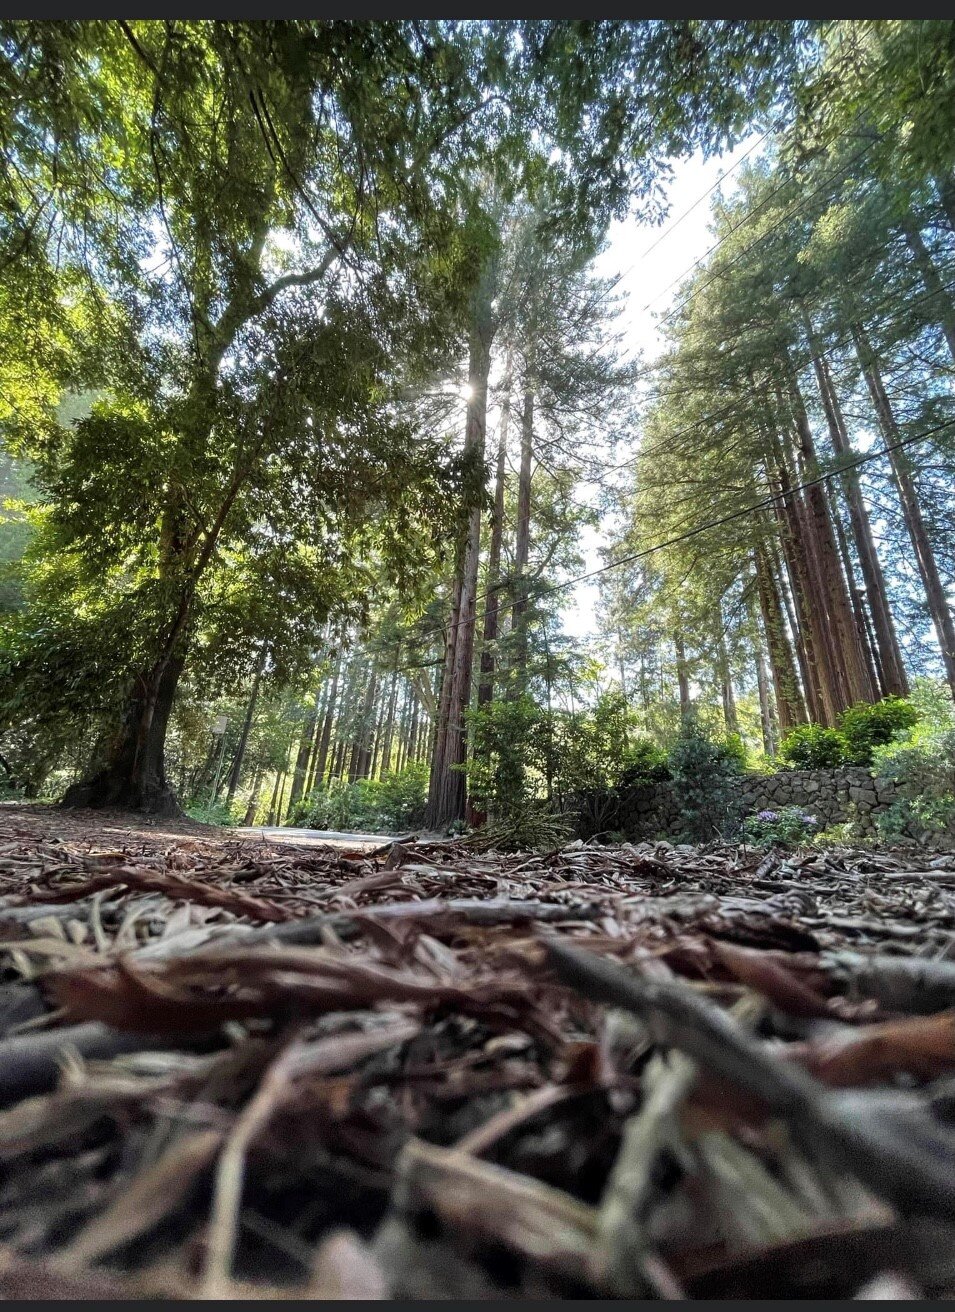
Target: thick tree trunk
{"points": [[864, 631], [939, 608], [134, 778], [850, 657], [811, 626], [492, 604], [894, 679], [447, 794], [304, 752]]}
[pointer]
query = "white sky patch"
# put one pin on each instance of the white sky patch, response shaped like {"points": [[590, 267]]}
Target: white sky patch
{"points": [[646, 278]]}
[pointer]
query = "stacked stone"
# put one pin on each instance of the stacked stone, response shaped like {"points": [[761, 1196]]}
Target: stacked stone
{"points": [[833, 796]]}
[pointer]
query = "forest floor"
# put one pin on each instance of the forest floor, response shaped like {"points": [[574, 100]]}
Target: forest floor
{"points": [[236, 1067]]}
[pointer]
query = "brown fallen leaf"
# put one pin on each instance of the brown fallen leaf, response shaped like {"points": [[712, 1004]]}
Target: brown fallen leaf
{"points": [[760, 972], [919, 1045]]}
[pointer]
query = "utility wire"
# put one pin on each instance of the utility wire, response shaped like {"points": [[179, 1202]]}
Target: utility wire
{"points": [[719, 181], [733, 405], [762, 504]]}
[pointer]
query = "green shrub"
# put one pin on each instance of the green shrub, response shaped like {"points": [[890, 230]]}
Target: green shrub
{"points": [[505, 743], [216, 814], [703, 771], [811, 747], [865, 727], [861, 729], [643, 763], [790, 826], [394, 802], [922, 766]]}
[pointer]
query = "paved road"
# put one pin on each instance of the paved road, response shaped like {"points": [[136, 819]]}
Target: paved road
{"points": [[319, 836]]}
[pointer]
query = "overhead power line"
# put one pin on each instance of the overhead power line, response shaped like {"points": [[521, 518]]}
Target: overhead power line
{"points": [[762, 504]]}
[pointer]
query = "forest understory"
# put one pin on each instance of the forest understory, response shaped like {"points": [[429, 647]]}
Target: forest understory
{"points": [[233, 1067]]}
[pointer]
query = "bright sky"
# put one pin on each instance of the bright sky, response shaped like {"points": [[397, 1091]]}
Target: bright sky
{"points": [[647, 275]]}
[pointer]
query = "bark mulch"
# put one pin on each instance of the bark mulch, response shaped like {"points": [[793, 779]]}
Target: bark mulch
{"points": [[238, 1068]]}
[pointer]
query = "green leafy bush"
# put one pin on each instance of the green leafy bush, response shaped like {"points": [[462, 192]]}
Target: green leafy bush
{"points": [[811, 747], [394, 802], [922, 766], [790, 826], [216, 814], [643, 763], [864, 727], [703, 770], [861, 729], [505, 748]]}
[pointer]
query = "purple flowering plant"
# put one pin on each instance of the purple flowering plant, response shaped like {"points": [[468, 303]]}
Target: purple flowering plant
{"points": [[790, 826]]}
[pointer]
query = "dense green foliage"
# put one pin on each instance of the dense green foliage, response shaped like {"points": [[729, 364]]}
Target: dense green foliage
{"points": [[790, 826], [393, 803], [865, 728], [860, 730], [813, 747], [313, 385], [703, 768], [922, 765]]}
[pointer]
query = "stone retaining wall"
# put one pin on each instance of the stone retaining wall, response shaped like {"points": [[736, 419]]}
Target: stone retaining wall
{"points": [[832, 796]]}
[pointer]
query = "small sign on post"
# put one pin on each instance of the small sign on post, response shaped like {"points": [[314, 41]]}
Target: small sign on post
{"points": [[220, 726]]}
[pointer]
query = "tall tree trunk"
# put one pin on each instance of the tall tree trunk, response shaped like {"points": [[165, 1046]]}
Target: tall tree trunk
{"points": [[864, 631], [945, 309], [135, 777], [390, 722], [274, 804], [447, 794], [253, 806], [523, 537], [894, 678], [852, 665], [304, 752], [377, 744], [361, 752], [492, 603], [729, 701], [814, 638], [911, 509], [318, 772], [790, 706], [401, 754], [765, 711], [413, 731], [682, 674], [235, 773]]}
